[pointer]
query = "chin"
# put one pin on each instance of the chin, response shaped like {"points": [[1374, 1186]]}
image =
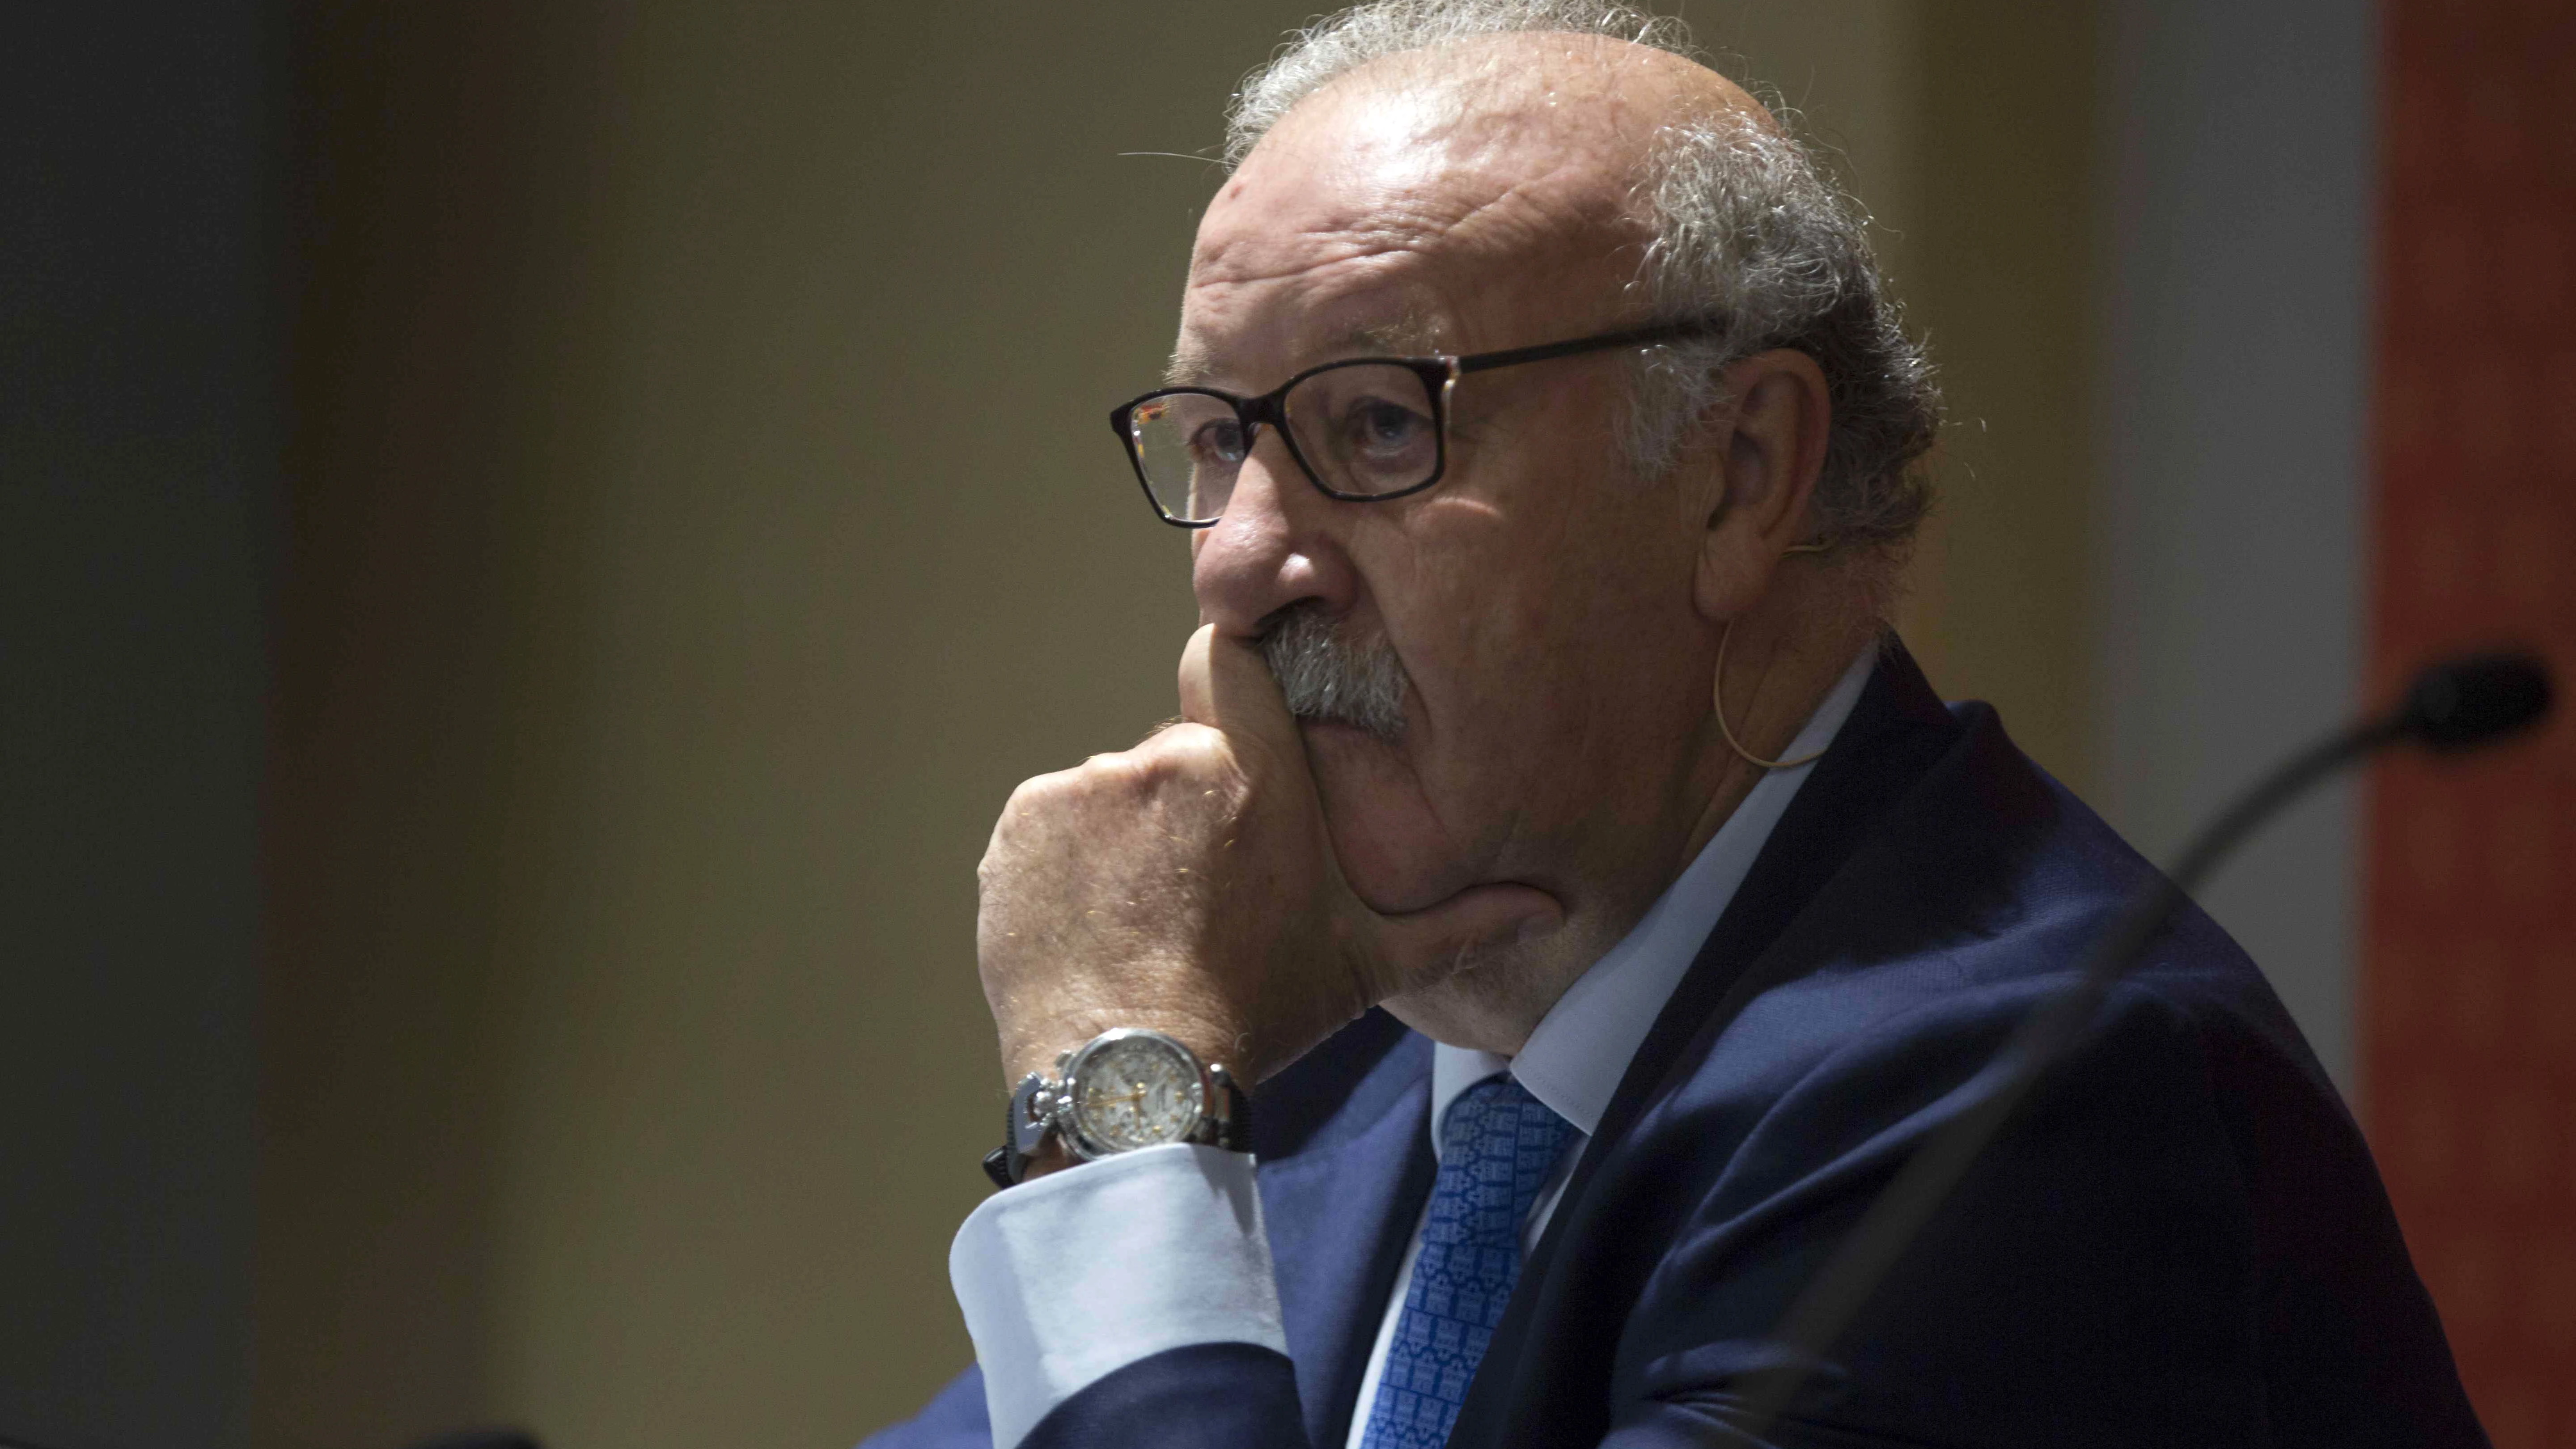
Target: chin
{"points": [[1485, 1005], [1391, 846]]}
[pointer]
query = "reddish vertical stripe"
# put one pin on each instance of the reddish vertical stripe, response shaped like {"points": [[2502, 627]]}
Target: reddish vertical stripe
{"points": [[2469, 986]]}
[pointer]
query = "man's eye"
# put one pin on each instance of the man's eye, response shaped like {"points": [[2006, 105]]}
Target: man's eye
{"points": [[1385, 427], [1220, 442]]}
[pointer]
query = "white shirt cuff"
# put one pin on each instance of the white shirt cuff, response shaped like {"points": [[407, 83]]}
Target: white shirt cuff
{"points": [[1070, 1277]]}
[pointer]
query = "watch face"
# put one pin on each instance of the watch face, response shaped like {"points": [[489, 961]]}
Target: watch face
{"points": [[1136, 1091]]}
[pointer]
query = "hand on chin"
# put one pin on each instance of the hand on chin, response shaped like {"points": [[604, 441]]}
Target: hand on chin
{"points": [[1193, 885]]}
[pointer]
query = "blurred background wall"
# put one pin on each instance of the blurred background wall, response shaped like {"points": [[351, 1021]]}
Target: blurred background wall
{"points": [[139, 430], [2469, 928], [696, 516], [2238, 155]]}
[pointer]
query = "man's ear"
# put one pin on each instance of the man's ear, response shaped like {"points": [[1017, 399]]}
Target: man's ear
{"points": [[1770, 455]]}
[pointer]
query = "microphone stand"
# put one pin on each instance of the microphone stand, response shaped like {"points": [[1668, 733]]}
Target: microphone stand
{"points": [[2451, 707]]}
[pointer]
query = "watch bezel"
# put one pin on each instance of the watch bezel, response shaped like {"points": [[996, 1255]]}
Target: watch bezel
{"points": [[1076, 1130]]}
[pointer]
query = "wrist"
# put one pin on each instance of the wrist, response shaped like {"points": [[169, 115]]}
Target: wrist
{"points": [[1126, 1089], [1044, 1047]]}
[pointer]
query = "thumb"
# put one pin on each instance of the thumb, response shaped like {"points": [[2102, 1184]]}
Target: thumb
{"points": [[1427, 944], [1227, 686]]}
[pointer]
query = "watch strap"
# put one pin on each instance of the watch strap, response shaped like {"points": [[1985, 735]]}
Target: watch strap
{"points": [[1228, 1122], [1029, 1117]]}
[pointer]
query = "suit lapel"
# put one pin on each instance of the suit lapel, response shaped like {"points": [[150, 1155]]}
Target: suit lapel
{"points": [[1346, 1167]]}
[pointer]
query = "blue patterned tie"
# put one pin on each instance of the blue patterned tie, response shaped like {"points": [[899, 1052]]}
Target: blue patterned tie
{"points": [[1498, 1147]]}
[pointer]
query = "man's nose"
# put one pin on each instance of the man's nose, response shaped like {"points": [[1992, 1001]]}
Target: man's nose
{"points": [[1276, 545]]}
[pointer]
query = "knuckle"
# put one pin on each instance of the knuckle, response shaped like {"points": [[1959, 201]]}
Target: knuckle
{"points": [[1194, 741], [1039, 799], [1174, 758], [1023, 802], [1111, 780], [1195, 753], [1025, 817], [1039, 790]]}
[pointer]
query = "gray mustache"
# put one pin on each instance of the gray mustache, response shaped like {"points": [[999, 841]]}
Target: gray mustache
{"points": [[1326, 675]]}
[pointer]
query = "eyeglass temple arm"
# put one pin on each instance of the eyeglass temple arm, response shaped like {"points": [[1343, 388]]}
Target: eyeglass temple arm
{"points": [[1633, 337]]}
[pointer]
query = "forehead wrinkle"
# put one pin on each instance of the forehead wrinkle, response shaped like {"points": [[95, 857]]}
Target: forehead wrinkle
{"points": [[1477, 212], [1517, 221], [1321, 285], [1383, 225], [1540, 215], [1527, 215]]}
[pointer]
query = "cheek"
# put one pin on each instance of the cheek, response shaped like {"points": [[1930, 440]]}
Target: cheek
{"points": [[1551, 604], [1518, 581], [1569, 660], [1464, 613]]}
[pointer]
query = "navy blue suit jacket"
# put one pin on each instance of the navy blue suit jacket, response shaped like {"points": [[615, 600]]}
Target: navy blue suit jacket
{"points": [[2181, 1242]]}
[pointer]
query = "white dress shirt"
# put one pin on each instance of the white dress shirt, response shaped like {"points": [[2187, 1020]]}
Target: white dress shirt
{"points": [[1072, 1276]]}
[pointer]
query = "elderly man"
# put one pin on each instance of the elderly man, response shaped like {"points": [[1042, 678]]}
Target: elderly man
{"points": [[1564, 904]]}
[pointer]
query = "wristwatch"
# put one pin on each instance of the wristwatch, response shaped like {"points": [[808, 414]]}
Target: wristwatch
{"points": [[1125, 1089]]}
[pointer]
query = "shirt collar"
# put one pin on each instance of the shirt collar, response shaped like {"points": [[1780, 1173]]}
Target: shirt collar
{"points": [[1574, 1059]]}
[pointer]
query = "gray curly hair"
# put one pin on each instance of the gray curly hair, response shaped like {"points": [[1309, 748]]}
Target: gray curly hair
{"points": [[1746, 227]]}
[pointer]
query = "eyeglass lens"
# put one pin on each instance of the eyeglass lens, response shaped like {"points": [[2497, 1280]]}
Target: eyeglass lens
{"points": [[1363, 429]]}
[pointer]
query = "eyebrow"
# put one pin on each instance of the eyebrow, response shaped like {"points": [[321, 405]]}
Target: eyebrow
{"points": [[1411, 336], [1188, 365]]}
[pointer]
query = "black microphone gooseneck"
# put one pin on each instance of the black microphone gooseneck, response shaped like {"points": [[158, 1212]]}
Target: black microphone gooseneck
{"points": [[2451, 707]]}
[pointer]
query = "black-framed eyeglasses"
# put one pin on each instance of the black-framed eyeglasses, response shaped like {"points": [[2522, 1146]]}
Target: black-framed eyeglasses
{"points": [[1364, 430]]}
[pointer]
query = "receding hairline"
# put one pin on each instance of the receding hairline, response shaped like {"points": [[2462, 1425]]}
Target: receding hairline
{"points": [[1690, 89], [1684, 90]]}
